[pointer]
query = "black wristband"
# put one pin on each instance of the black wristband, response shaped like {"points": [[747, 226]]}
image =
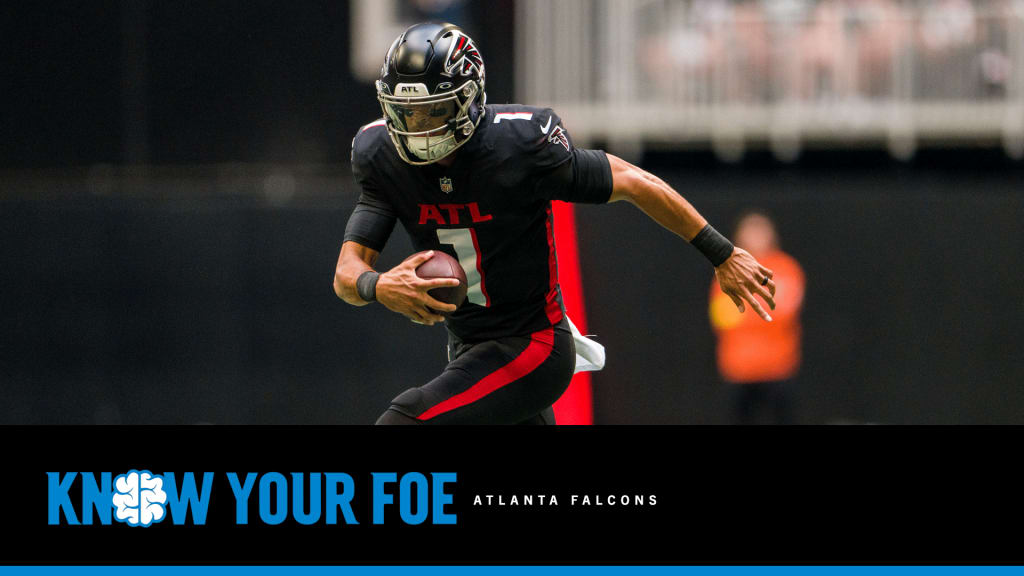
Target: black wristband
{"points": [[712, 245], [366, 285]]}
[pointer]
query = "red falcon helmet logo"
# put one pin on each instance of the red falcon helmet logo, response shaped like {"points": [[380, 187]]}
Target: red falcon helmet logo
{"points": [[463, 56]]}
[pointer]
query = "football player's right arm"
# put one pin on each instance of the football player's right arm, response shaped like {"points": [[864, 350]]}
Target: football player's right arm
{"points": [[399, 289]]}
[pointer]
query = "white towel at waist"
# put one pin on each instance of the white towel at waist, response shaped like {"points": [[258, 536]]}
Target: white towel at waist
{"points": [[589, 354]]}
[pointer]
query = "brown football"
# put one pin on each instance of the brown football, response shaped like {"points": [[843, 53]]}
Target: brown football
{"points": [[441, 265]]}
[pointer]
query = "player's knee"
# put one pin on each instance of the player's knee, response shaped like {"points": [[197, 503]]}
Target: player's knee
{"points": [[392, 417]]}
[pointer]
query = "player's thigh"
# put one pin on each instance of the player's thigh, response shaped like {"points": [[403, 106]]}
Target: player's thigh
{"points": [[520, 399], [503, 381]]}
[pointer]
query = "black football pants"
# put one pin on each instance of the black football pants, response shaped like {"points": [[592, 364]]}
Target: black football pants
{"points": [[512, 380]]}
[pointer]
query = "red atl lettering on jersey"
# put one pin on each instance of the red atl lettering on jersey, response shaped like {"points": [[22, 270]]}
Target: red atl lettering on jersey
{"points": [[432, 213], [474, 211], [453, 212]]}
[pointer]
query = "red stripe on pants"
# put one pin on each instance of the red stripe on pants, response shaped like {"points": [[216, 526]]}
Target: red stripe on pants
{"points": [[528, 360]]}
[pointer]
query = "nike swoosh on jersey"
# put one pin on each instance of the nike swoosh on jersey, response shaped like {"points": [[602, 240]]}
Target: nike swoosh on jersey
{"points": [[544, 130]]}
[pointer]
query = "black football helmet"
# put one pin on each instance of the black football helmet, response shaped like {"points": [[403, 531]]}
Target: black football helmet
{"points": [[431, 90]]}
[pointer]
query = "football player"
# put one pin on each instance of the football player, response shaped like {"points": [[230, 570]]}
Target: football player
{"points": [[476, 181]]}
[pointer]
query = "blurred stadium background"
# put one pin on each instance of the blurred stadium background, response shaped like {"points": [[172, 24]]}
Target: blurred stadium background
{"points": [[174, 185]]}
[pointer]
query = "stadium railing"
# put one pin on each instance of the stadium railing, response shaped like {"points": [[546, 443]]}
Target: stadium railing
{"points": [[783, 74]]}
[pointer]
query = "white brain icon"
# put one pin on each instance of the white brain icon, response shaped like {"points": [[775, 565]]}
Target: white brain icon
{"points": [[139, 498]]}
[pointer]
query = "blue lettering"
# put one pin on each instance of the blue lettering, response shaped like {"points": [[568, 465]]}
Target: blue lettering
{"points": [[281, 484], [298, 510], [405, 500], [95, 497], [342, 500], [57, 491], [242, 495], [441, 497], [180, 503], [380, 498]]}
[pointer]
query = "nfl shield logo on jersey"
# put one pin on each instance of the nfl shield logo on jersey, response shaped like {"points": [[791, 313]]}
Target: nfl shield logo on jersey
{"points": [[446, 184]]}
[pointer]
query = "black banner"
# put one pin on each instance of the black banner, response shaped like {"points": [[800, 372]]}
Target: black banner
{"points": [[601, 495]]}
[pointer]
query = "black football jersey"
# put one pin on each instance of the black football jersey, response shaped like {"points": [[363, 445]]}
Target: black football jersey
{"points": [[491, 210]]}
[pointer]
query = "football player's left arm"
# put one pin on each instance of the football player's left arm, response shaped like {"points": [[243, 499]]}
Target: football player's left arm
{"points": [[740, 275]]}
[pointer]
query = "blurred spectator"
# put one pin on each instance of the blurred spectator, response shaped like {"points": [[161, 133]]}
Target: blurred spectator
{"points": [[947, 34], [758, 359], [750, 37], [691, 42], [994, 67], [820, 51], [847, 48], [824, 51], [877, 28]]}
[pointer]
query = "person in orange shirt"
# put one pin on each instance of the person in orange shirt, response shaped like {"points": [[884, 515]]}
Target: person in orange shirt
{"points": [[758, 359]]}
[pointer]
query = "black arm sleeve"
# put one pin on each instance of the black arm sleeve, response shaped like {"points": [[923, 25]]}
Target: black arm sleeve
{"points": [[373, 219], [370, 224], [586, 178]]}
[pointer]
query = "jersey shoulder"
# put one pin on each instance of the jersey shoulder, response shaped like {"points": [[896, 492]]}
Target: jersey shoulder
{"points": [[518, 125], [370, 146], [531, 135]]}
